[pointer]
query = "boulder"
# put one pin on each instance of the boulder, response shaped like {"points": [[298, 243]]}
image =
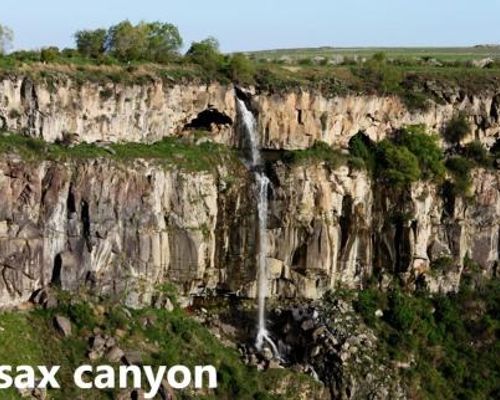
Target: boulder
{"points": [[63, 325]]}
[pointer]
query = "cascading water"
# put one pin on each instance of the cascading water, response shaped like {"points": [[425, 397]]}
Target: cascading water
{"points": [[262, 181]]}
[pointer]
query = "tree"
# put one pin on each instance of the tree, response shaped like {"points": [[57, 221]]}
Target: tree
{"points": [[128, 42], [155, 41], [426, 148], [241, 68], [206, 53], [164, 41], [6, 38], [398, 165], [91, 43]]}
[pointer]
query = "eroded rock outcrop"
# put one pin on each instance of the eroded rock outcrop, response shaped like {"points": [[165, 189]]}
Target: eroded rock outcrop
{"points": [[125, 229], [151, 110]]}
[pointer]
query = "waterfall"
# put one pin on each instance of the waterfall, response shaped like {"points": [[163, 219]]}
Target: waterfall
{"points": [[262, 183]]}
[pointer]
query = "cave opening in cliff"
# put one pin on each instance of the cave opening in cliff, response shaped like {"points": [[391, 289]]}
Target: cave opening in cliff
{"points": [[56, 271], [208, 118], [71, 202], [401, 243], [85, 217], [345, 221], [449, 198], [300, 120], [299, 259]]}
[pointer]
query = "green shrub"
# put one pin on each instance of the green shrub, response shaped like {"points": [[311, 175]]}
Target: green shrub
{"points": [[49, 54], [241, 68], [426, 148], [305, 61], [397, 165], [362, 151], [475, 151], [443, 264], [368, 302], [457, 129], [415, 101], [25, 55], [385, 78], [460, 169]]}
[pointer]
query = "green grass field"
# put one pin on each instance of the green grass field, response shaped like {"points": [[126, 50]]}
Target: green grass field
{"points": [[449, 54]]}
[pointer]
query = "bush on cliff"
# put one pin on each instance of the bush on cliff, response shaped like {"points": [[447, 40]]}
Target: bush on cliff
{"points": [[426, 148], [396, 165], [363, 152], [476, 152], [460, 169], [457, 129]]}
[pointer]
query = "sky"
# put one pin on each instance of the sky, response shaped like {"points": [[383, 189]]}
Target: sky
{"points": [[260, 24]]}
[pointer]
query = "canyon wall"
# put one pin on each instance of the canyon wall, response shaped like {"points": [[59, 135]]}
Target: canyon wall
{"points": [[120, 228], [150, 111], [126, 229]]}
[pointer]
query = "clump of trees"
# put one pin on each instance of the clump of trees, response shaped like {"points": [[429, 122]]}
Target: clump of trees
{"points": [[147, 41], [206, 53], [412, 155], [160, 42]]}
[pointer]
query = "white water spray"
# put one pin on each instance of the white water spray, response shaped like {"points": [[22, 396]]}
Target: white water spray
{"points": [[250, 127]]}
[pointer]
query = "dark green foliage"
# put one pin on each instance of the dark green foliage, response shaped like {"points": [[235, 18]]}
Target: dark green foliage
{"points": [[91, 43], [416, 100], [379, 57], [397, 166], [426, 148], [443, 264], [155, 41], [451, 338], [476, 152], [412, 155], [49, 54], [363, 152], [163, 41], [241, 68], [368, 302], [457, 128], [460, 168], [305, 61], [206, 54]]}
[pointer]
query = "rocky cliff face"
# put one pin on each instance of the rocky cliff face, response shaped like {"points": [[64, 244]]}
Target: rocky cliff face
{"points": [[125, 229], [149, 111]]}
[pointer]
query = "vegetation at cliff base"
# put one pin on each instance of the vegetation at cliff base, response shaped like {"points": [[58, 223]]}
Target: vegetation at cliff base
{"points": [[161, 337]]}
